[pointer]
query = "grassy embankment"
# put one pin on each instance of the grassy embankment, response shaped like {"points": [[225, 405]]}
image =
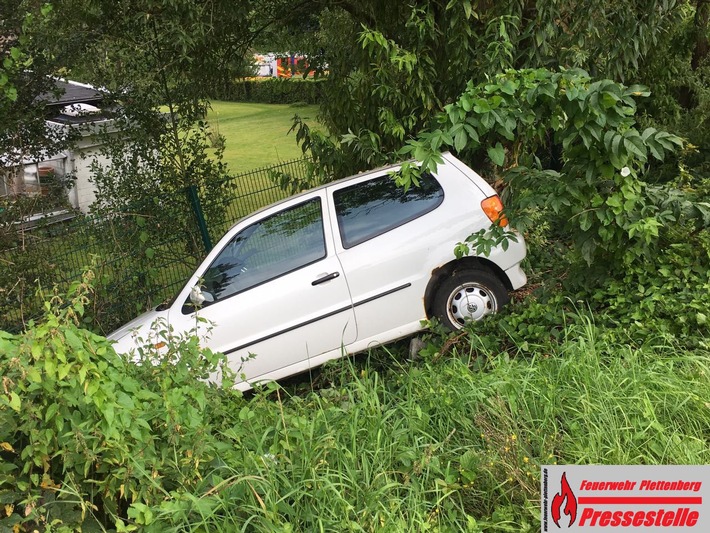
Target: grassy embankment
{"points": [[453, 443]]}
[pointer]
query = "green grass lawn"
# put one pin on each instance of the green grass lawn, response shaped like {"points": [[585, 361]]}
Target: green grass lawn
{"points": [[257, 134]]}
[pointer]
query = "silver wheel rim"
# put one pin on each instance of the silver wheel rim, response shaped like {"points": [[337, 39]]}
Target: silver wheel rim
{"points": [[470, 302]]}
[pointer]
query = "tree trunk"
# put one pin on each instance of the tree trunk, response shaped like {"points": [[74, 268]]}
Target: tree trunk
{"points": [[702, 44], [687, 97]]}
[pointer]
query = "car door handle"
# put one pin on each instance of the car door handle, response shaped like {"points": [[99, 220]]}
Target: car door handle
{"points": [[325, 278]]}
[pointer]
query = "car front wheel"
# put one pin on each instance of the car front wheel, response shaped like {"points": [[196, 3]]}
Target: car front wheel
{"points": [[468, 295]]}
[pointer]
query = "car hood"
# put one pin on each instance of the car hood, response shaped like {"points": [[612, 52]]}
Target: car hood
{"points": [[125, 336]]}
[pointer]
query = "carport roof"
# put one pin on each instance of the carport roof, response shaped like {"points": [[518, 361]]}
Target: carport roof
{"points": [[72, 93]]}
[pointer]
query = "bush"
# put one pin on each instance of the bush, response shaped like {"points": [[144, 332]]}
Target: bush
{"points": [[274, 91], [84, 434]]}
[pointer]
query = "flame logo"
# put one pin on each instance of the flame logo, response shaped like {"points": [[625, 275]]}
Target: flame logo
{"points": [[565, 496]]}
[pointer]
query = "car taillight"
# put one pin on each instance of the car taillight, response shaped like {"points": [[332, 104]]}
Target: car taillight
{"points": [[493, 208]]}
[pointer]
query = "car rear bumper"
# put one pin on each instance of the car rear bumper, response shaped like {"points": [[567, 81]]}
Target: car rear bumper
{"points": [[516, 276]]}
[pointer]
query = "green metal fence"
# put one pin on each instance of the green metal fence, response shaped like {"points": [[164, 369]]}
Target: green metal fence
{"points": [[141, 255]]}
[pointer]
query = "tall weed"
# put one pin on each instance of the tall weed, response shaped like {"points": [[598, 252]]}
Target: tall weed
{"points": [[449, 443]]}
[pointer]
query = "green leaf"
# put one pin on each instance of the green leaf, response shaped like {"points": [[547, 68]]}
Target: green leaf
{"points": [[460, 140], [51, 411], [15, 402], [472, 133], [635, 145], [585, 221], [614, 201], [467, 9], [668, 140], [497, 154], [72, 340], [33, 375], [569, 139], [487, 120], [607, 171], [616, 145], [50, 367], [609, 100], [637, 90], [481, 106], [509, 87], [586, 138], [63, 370], [36, 350], [648, 132], [109, 413], [656, 149], [547, 88]]}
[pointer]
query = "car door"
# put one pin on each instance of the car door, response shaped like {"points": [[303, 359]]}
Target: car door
{"points": [[275, 293], [384, 235]]}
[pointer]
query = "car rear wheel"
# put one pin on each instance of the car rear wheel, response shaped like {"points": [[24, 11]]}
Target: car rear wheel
{"points": [[468, 295]]}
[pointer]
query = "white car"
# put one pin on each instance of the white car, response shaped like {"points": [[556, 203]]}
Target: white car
{"points": [[341, 268]]}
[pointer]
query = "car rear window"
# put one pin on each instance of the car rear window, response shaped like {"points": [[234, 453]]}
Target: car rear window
{"points": [[374, 207]]}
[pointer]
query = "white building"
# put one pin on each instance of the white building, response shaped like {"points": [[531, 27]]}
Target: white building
{"points": [[80, 107]]}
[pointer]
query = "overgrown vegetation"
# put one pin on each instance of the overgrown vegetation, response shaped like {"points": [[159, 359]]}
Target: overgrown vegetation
{"points": [[602, 358], [451, 442], [24, 86], [391, 67]]}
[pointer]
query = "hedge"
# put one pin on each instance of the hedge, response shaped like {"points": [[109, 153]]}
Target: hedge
{"points": [[273, 91]]}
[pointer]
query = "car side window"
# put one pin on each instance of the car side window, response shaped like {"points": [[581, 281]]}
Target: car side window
{"points": [[272, 247], [374, 207]]}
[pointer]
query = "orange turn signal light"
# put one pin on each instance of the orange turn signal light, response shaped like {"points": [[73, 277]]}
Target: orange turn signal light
{"points": [[493, 208]]}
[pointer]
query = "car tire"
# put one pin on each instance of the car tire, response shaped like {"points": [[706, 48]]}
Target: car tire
{"points": [[482, 291]]}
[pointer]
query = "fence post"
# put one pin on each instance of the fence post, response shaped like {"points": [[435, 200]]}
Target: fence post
{"points": [[200, 216]]}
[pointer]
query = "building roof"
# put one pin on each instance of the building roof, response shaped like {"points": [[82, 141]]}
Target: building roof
{"points": [[72, 92], [66, 103]]}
